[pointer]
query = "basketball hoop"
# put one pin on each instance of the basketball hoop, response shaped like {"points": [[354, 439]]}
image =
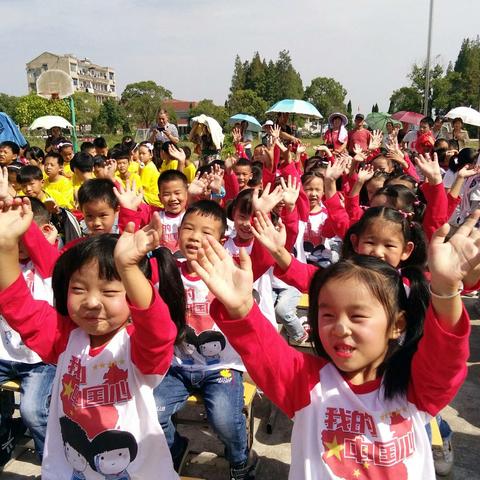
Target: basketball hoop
{"points": [[54, 84], [55, 96]]}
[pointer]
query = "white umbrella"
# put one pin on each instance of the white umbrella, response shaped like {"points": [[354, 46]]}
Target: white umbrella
{"points": [[467, 114], [49, 121]]}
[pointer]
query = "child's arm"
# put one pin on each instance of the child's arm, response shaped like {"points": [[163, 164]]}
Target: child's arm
{"points": [[439, 365], [132, 208], [285, 375], [154, 332]]}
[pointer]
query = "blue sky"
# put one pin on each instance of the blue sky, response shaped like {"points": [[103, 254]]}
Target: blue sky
{"points": [[189, 46]]}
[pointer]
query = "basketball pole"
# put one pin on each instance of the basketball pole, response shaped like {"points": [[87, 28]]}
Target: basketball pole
{"points": [[74, 125]]}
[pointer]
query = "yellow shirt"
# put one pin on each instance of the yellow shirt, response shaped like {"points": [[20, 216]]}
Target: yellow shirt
{"points": [[133, 167], [170, 165], [149, 177], [133, 177], [59, 198], [67, 171], [62, 186], [190, 171]]}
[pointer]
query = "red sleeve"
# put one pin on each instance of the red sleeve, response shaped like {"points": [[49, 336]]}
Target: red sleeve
{"points": [[290, 220], [338, 220], [436, 212], [41, 327], [453, 203], [43, 254], [140, 217], [284, 374], [153, 336], [410, 170], [439, 366], [231, 185], [354, 211], [303, 205], [298, 274], [267, 177]]}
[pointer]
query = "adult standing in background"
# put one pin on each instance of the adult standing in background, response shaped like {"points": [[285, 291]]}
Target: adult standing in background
{"points": [[458, 133], [163, 131], [359, 135]]}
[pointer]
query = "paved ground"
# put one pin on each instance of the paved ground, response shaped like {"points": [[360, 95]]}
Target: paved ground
{"points": [[463, 414]]}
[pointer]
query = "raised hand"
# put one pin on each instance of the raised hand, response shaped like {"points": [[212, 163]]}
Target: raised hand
{"points": [[429, 167], [129, 197], [468, 171], [275, 133], [268, 200], [176, 153], [15, 218], [5, 190], [337, 168], [365, 173], [199, 186], [237, 135], [230, 162], [132, 246], [215, 178], [110, 168], [291, 191], [271, 237], [230, 283], [375, 140]]}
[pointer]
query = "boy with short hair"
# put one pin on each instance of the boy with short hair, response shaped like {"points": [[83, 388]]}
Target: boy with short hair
{"points": [[88, 147], [123, 172], [9, 152], [205, 361], [243, 172], [425, 139], [101, 147], [55, 181]]}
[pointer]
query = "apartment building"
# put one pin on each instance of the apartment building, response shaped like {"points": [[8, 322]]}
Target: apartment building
{"points": [[86, 75]]}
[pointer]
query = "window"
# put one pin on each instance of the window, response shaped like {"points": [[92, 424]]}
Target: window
{"points": [[110, 74], [75, 82], [73, 67]]}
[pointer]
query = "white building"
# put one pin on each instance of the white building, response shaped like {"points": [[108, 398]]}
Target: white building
{"points": [[87, 76]]}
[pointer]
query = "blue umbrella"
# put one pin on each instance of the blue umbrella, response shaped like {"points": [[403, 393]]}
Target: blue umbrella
{"points": [[298, 107], [253, 123], [9, 131]]}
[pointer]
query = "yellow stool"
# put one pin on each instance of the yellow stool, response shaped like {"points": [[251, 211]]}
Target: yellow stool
{"points": [[10, 385], [303, 302], [249, 391], [436, 437]]}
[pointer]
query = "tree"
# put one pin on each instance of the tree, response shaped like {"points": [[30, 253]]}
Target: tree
{"points": [[32, 106], [142, 100], [111, 117], [238, 77], [405, 98], [289, 82], [86, 108], [208, 108], [468, 66], [327, 95], [255, 76], [246, 101], [8, 104], [375, 108]]}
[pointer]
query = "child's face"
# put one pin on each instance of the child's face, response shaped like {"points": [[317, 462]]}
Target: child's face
{"points": [[98, 306], [243, 227], [52, 168], [260, 154], [382, 163], [67, 154], [173, 195], [12, 180], [384, 240], [193, 230], [99, 171], [103, 151], [373, 185], [99, 216], [244, 174], [122, 166], [353, 328], [424, 127], [91, 151], [33, 188], [6, 156], [314, 191], [113, 461], [144, 155]]}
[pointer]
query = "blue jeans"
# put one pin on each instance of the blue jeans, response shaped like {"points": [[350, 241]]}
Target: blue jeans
{"points": [[36, 389], [286, 301], [222, 392]]}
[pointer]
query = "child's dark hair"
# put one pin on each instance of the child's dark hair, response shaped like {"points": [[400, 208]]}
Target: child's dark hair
{"points": [[118, 152], [97, 189], [427, 120], [378, 174], [41, 216], [187, 151], [29, 173], [56, 155], [170, 176], [63, 143], [257, 174], [14, 147], [404, 177], [402, 198], [82, 161], [411, 232], [100, 142], [110, 440], [208, 208], [243, 204], [35, 153], [171, 289], [75, 436], [99, 161], [311, 175], [86, 146], [386, 285], [243, 162], [465, 156]]}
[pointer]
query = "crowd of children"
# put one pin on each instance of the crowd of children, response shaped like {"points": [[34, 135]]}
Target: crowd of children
{"points": [[133, 276]]}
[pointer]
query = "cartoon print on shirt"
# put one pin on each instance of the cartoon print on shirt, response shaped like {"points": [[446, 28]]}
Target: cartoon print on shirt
{"points": [[351, 453], [112, 452], [76, 446], [210, 344], [188, 346]]}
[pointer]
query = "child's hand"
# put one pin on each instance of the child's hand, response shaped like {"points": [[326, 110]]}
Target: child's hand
{"points": [[365, 173], [267, 201], [110, 168], [230, 162], [468, 171], [336, 169], [450, 262], [231, 284], [215, 179], [4, 186], [271, 237], [133, 246], [129, 197], [429, 168], [237, 135], [291, 191], [177, 153], [15, 218], [375, 140], [199, 186]]}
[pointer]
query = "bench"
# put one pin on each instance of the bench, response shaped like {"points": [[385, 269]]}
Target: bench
{"points": [[249, 391]]}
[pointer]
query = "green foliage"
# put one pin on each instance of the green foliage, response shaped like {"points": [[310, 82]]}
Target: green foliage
{"points": [[327, 95], [8, 104], [405, 98], [32, 106], [208, 108], [110, 118], [375, 108], [248, 102], [86, 108], [142, 100]]}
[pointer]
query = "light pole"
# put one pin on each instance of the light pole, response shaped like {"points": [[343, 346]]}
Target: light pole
{"points": [[429, 48]]}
